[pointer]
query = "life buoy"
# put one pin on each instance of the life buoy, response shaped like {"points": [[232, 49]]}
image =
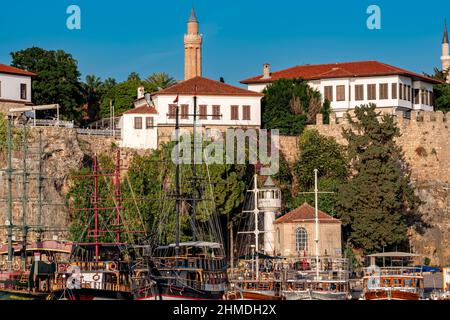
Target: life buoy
{"points": [[62, 267], [16, 266], [112, 266], [96, 277]]}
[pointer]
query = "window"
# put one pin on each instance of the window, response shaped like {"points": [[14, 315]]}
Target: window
{"points": [[416, 96], [383, 91], [400, 91], [234, 112], [359, 92], [0, 88], [203, 112], [138, 122], [184, 111], [301, 240], [371, 92], [404, 92], [328, 93], [172, 111], [424, 96], [149, 122], [340, 93], [216, 113], [394, 91], [409, 93], [245, 112], [23, 91]]}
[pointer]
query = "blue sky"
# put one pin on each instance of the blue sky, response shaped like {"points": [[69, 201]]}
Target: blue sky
{"points": [[118, 37]]}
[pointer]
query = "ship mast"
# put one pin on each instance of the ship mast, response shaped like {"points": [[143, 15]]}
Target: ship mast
{"points": [[316, 213], [9, 222], [177, 180]]}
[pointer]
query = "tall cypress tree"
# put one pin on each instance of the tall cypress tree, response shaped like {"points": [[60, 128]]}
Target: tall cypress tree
{"points": [[378, 203]]}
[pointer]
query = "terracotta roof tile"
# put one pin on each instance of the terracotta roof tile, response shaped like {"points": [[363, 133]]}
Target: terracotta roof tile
{"points": [[205, 86], [12, 70], [306, 213], [339, 70], [142, 110]]}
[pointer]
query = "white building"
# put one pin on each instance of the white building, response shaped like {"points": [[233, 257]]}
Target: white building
{"points": [[350, 84], [15, 87], [219, 106]]}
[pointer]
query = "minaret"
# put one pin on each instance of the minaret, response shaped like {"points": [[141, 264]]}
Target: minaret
{"points": [[445, 53], [192, 49]]}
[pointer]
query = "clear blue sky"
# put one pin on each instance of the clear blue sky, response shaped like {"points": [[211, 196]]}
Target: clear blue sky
{"points": [[118, 37]]}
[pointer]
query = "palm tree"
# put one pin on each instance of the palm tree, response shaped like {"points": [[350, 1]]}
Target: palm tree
{"points": [[161, 80]]}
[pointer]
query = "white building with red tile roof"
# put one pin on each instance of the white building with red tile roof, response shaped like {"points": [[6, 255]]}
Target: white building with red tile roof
{"points": [[295, 233], [350, 84], [15, 87], [219, 106]]}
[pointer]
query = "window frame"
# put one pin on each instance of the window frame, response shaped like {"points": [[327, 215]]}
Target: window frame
{"points": [[147, 124], [135, 123], [301, 231], [359, 92], [184, 111], [330, 89], [203, 112], [340, 96], [246, 112], [23, 91], [394, 91], [234, 112], [371, 87], [384, 91], [216, 112]]}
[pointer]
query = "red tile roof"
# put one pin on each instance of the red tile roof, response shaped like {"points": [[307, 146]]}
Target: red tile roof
{"points": [[205, 86], [12, 70], [142, 110], [339, 70], [306, 213]]}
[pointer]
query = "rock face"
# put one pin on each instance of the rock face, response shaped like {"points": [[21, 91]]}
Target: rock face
{"points": [[424, 139]]}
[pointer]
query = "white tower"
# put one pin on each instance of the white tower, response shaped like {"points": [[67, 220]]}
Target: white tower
{"points": [[269, 201]]}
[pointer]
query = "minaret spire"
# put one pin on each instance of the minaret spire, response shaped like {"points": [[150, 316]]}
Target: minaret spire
{"points": [[445, 37], [445, 58]]}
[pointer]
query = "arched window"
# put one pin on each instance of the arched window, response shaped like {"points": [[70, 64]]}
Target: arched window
{"points": [[301, 240]]}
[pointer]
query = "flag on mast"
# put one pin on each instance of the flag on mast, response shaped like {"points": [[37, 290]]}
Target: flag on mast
{"points": [[176, 100]]}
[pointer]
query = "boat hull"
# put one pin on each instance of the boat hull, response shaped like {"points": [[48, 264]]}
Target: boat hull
{"points": [[390, 295]]}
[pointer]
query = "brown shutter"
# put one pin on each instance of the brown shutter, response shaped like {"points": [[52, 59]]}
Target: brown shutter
{"points": [[138, 122], [246, 113], [203, 112], [184, 111], [234, 112], [340, 93], [216, 112], [394, 91]]}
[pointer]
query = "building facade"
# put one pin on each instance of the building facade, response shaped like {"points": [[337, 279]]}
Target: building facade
{"points": [[295, 233], [350, 84], [15, 88]]}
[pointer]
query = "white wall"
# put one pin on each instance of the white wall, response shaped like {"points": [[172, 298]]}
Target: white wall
{"points": [[350, 83], [162, 103], [10, 87], [138, 138]]}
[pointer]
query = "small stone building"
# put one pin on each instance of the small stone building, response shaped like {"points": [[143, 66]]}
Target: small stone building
{"points": [[295, 233]]}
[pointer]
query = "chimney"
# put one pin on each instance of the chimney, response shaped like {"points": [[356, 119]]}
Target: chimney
{"points": [[266, 71], [140, 92]]}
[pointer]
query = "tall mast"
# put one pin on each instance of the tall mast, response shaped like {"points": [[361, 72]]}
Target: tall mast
{"points": [[10, 209], [194, 181], [24, 198], [95, 203], [316, 212], [177, 181], [118, 196], [39, 220], [256, 217]]}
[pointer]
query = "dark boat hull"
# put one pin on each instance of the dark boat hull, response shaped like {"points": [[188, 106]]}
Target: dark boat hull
{"points": [[18, 295], [91, 294]]}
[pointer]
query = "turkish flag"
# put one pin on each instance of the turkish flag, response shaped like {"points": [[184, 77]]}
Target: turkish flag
{"points": [[176, 100]]}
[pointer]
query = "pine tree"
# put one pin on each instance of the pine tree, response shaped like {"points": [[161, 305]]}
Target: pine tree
{"points": [[378, 203]]}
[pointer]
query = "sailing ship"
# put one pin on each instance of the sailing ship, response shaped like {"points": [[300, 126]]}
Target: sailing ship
{"points": [[107, 268], [27, 267], [393, 279], [194, 269]]}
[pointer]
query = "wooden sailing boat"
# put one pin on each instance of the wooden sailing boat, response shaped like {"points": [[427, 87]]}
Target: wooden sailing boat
{"points": [[27, 268], [393, 279], [105, 269], [194, 269]]}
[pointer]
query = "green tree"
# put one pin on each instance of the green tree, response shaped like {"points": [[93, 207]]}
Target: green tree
{"points": [[328, 157], [160, 80], [57, 79], [290, 104], [441, 91], [122, 96], [378, 203]]}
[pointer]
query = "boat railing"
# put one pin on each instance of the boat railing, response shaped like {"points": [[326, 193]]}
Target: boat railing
{"points": [[93, 266], [388, 271], [61, 283]]}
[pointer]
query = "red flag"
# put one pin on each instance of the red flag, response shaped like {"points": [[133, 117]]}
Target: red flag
{"points": [[176, 100]]}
